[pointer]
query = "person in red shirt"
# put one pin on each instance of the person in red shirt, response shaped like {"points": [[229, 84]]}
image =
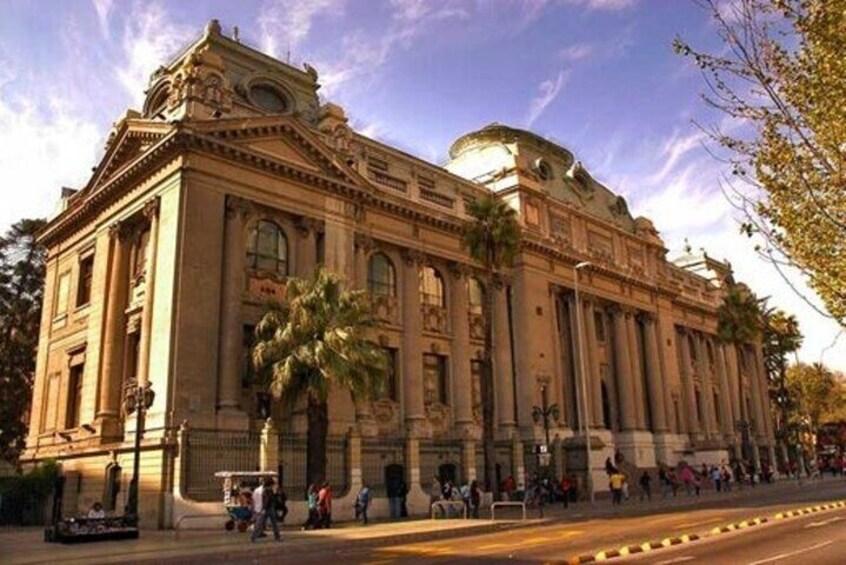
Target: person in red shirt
{"points": [[565, 490], [324, 505]]}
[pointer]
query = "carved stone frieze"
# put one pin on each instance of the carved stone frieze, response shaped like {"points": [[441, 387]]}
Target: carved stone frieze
{"points": [[385, 308], [235, 205], [438, 416], [412, 257], [434, 318], [364, 242]]}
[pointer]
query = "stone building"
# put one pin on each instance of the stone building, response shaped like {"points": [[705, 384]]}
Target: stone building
{"points": [[234, 176]]}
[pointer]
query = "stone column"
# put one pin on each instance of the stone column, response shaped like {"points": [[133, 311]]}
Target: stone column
{"points": [[725, 393], [462, 384], [705, 392], [151, 212], [306, 246], [592, 375], [655, 380], [115, 326], [757, 390], [732, 370], [687, 385], [269, 447], [517, 463], [622, 371], [364, 245], [468, 459], [636, 372], [231, 331], [412, 354], [503, 369]]}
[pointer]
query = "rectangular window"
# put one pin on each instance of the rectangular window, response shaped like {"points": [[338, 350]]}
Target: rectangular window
{"points": [[72, 417], [391, 388], [435, 378], [62, 290], [599, 323], [86, 274]]}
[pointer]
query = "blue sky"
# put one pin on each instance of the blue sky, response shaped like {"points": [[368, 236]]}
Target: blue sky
{"points": [[597, 76]]}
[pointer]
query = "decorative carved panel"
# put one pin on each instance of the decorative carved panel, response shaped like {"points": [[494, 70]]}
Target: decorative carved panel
{"points": [[439, 417], [600, 247], [434, 318], [386, 413], [385, 308], [477, 326], [264, 287], [560, 229]]}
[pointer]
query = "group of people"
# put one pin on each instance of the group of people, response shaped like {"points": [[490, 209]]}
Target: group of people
{"points": [[319, 500], [468, 494]]}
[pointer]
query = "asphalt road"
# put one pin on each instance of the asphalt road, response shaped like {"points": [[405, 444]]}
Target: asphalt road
{"points": [[819, 535]]}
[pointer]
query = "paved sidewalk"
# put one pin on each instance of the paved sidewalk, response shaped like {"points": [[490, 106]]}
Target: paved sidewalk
{"points": [[26, 546]]}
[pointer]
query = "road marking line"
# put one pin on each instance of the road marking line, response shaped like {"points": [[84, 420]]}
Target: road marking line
{"points": [[700, 523], [676, 560], [824, 522], [792, 553]]}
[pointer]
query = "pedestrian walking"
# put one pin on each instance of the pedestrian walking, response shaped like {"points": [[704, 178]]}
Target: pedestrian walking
{"points": [[565, 490], [436, 493], [475, 499], [717, 478], [313, 519], [264, 507], [362, 503], [687, 479], [324, 506], [645, 486], [615, 483], [509, 485], [281, 503]]}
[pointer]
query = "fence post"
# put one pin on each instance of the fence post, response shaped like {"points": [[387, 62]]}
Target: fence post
{"points": [[269, 447], [517, 462], [354, 458], [468, 459]]}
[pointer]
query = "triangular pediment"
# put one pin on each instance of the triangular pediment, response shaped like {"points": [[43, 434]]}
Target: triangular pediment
{"points": [[130, 141], [282, 139]]}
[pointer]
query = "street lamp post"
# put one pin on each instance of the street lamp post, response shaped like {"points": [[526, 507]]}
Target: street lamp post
{"points": [[585, 411], [544, 413], [138, 398]]}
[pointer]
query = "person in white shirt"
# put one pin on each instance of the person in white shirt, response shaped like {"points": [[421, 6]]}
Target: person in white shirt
{"points": [[97, 511]]}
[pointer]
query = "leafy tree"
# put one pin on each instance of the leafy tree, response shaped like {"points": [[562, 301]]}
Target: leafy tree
{"points": [[780, 80], [818, 394], [739, 322], [780, 336], [492, 237], [21, 291], [312, 342]]}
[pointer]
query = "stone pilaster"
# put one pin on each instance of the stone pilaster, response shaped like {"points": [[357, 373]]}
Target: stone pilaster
{"points": [[231, 332], [462, 384], [636, 372], [592, 376], [622, 371], [307, 229], [468, 459], [655, 378], [706, 393], [151, 211], [728, 410], [503, 369], [412, 354], [687, 385], [269, 447], [114, 333]]}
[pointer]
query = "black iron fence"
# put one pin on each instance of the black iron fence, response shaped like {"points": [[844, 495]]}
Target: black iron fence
{"points": [[293, 463], [441, 458], [382, 459], [209, 451], [502, 448]]}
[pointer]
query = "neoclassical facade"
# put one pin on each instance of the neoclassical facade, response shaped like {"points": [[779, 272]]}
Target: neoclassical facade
{"points": [[235, 177]]}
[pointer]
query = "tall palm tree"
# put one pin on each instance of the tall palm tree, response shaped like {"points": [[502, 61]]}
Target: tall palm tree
{"points": [[492, 237], [781, 336], [313, 341], [739, 322]]}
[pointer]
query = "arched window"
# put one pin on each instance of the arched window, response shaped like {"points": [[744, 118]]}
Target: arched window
{"points": [[432, 287], [267, 248], [475, 296], [381, 278]]}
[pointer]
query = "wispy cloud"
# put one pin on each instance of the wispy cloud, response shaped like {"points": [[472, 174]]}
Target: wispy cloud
{"points": [[576, 52], [604, 5], [285, 24], [548, 91], [104, 10], [150, 37]]}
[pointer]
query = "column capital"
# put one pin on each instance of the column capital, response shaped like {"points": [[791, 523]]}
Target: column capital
{"points": [[237, 206], [459, 270], [618, 309], [501, 281], [646, 317], [413, 257], [306, 226], [121, 231], [364, 242], [151, 208]]}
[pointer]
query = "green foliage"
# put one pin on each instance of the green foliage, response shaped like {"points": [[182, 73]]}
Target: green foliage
{"points": [[38, 482], [317, 338], [21, 291], [492, 235], [739, 317], [781, 77], [818, 393]]}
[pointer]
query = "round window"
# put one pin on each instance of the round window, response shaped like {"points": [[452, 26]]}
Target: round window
{"points": [[543, 169], [268, 98]]}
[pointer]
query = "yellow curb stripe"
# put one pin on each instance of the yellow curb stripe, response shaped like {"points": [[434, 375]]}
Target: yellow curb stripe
{"points": [[646, 547]]}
